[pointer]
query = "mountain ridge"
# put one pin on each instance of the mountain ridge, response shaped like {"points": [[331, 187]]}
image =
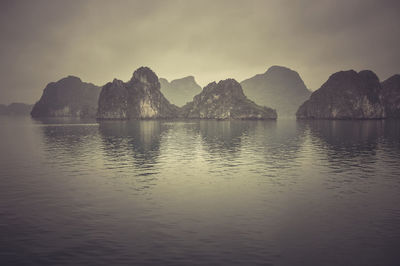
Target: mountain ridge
{"points": [[279, 87]]}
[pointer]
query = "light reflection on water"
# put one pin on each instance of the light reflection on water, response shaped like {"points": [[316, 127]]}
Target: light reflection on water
{"points": [[199, 192]]}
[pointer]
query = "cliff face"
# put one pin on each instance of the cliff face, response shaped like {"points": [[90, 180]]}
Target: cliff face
{"points": [[225, 100], [391, 96], [346, 95], [180, 91], [113, 101], [15, 109], [139, 98], [280, 88], [68, 97]]}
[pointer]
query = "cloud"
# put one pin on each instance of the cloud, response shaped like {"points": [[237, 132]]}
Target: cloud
{"points": [[43, 41]]}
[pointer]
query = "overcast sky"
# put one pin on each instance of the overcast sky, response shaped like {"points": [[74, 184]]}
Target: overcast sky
{"points": [[43, 41]]}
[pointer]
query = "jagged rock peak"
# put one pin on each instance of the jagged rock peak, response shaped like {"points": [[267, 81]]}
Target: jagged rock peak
{"points": [[365, 81], [225, 100], [212, 84], [229, 82], [140, 98], [226, 84], [342, 75], [345, 95], [117, 82], [230, 85], [145, 75], [223, 86], [352, 74]]}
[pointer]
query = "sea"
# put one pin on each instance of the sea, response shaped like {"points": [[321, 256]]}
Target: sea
{"points": [[199, 192]]}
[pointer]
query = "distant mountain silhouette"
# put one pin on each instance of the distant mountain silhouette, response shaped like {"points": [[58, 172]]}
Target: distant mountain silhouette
{"points": [[391, 96], [68, 97], [280, 88], [346, 95], [139, 98], [225, 100], [15, 109], [180, 91]]}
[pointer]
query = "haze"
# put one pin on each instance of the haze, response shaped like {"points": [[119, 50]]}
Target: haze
{"points": [[43, 41]]}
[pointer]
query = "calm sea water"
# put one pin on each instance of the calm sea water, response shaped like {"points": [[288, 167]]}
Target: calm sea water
{"points": [[199, 192]]}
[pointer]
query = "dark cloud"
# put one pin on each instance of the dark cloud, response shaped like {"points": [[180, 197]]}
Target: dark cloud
{"points": [[97, 40]]}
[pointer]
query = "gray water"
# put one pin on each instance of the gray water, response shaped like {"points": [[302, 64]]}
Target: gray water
{"points": [[199, 192]]}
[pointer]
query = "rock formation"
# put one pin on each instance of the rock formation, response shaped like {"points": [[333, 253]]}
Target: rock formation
{"points": [[15, 109], [391, 96], [68, 97], [139, 98], [280, 88], [346, 95], [225, 100], [180, 91]]}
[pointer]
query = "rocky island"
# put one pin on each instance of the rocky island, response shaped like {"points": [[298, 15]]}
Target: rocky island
{"points": [[280, 88], [225, 100], [345, 95], [139, 98], [68, 97], [180, 91], [391, 96], [15, 109]]}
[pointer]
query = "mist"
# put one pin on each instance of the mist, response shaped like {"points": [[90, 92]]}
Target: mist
{"points": [[44, 41]]}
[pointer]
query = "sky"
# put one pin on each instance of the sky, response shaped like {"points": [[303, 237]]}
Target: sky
{"points": [[97, 40]]}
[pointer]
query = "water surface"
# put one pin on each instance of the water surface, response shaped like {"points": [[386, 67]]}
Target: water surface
{"points": [[195, 192]]}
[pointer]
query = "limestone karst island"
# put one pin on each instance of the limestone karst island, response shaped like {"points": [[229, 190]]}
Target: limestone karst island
{"points": [[279, 92]]}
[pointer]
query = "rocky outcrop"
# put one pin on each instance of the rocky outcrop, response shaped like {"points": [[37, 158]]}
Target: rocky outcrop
{"points": [[139, 98], [391, 96], [68, 97], [180, 91], [15, 109], [280, 88], [346, 95], [225, 100]]}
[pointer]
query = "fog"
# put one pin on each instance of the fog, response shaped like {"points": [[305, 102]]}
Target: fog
{"points": [[43, 41]]}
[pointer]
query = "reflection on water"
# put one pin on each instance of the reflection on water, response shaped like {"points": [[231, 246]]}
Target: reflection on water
{"points": [[348, 137], [75, 141], [391, 133], [223, 137], [280, 147], [199, 192], [352, 148], [140, 140]]}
